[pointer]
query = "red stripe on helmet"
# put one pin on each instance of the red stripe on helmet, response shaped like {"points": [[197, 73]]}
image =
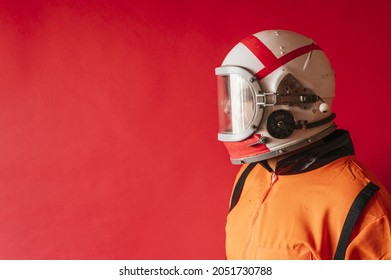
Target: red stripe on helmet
{"points": [[260, 50], [269, 60]]}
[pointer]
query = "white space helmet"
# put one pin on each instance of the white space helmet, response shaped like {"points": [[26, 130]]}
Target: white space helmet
{"points": [[275, 90]]}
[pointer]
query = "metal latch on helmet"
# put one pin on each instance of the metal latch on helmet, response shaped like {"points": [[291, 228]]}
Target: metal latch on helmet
{"points": [[272, 99], [289, 92]]}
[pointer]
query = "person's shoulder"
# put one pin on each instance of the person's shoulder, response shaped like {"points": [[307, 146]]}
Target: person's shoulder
{"points": [[361, 177], [348, 172]]}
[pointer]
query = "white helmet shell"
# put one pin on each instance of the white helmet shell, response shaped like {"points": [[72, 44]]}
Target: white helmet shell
{"points": [[287, 84]]}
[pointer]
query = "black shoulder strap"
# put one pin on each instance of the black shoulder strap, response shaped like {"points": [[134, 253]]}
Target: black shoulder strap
{"points": [[239, 185], [354, 213]]}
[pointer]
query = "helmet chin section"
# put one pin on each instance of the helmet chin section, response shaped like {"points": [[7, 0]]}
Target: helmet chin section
{"points": [[249, 150]]}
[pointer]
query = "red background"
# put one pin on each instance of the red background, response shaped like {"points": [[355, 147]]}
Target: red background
{"points": [[108, 118]]}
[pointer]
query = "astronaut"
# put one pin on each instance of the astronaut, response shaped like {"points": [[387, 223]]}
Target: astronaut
{"points": [[300, 193]]}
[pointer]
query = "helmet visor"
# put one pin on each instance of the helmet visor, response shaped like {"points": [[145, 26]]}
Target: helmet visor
{"points": [[236, 104]]}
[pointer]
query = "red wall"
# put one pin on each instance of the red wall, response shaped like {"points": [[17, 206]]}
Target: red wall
{"points": [[108, 119]]}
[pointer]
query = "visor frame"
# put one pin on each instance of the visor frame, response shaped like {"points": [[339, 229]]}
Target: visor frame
{"points": [[259, 110]]}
